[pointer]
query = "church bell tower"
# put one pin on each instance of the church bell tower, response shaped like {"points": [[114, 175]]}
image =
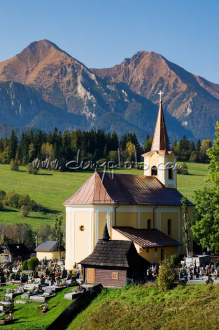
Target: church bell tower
{"points": [[161, 161]]}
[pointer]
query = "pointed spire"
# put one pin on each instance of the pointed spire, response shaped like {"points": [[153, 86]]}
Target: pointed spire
{"points": [[105, 236], [160, 139]]}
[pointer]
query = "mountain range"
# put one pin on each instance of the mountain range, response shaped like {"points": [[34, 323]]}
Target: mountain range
{"points": [[44, 87]]}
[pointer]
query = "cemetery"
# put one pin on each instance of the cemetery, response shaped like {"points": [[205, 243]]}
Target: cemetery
{"points": [[39, 287]]}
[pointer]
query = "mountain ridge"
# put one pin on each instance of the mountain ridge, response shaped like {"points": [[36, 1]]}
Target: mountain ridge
{"points": [[147, 72], [63, 90]]}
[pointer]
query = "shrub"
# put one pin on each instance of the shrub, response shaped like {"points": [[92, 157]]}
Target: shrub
{"points": [[12, 199], [1, 205], [33, 263], [25, 211], [168, 275], [31, 169], [24, 200], [14, 165], [24, 265], [176, 259], [183, 169], [2, 195]]}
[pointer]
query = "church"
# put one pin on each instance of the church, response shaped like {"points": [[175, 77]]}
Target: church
{"points": [[145, 209]]}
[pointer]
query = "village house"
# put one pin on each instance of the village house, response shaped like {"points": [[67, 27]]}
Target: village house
{"points": [[14, 252], [143, 209], [48, 250]]}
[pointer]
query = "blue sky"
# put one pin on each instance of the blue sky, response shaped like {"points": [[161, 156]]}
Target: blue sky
{"points": [[101, 33]]}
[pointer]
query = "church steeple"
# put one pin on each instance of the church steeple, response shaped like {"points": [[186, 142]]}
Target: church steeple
{"points": [[160, 139], [160, 161]]}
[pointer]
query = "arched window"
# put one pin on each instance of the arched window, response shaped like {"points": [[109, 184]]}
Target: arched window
{"points": [[149, 224], [154, 170], [169, 227]]}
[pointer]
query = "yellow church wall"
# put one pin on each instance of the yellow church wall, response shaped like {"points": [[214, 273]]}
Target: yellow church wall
{"points": [[81, 238], [50, 255], [144, 217], [117, 236], [94, 219], [111, 223], [154, 160], [69, 241], [127, 219], [174, 224], [155, 255], [102, 222]]}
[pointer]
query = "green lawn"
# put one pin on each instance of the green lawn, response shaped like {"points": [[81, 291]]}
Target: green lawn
{"points": [[51, 189], [28, 314], [196, 179], [144, 307]]}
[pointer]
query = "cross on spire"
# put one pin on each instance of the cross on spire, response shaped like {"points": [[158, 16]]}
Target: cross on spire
{"points": [[160, 93]]}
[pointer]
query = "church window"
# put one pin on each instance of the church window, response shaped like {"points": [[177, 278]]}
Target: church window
{"points": [[155, 253], [169, 227], [154, 170], [81, 228], [147, 250], [149, 224], [115, 276], [170, 173]]}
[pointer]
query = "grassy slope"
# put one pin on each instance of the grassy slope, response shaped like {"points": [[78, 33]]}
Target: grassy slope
{"points": [[144, 307], [28, 314], [51, 189]]}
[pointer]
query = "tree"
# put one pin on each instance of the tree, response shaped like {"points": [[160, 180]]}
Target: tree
{"points": [[187, 224], [148, 143], [44, 232], [33, 263], [13, 142], [213, 154], [168, 275], [206, 144], [47, 150], [206, 218], [130, 149], [59, 234]]}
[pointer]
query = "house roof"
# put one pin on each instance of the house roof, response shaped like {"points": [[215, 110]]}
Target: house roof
{"points": [[147, 238], [160, 138], [48, 246], [124, 189], [17, 249], [115, 254]]}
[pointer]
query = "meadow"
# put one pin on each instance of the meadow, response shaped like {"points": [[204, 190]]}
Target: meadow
{"points": [[52, 188], [145, 307]]}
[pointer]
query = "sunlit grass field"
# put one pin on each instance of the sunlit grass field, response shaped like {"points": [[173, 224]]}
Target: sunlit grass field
{"points": [[51, 189], [145, 307]]}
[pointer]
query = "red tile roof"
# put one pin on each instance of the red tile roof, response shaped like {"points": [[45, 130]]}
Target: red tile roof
{"points": [[124, 189], [147, 238]]}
